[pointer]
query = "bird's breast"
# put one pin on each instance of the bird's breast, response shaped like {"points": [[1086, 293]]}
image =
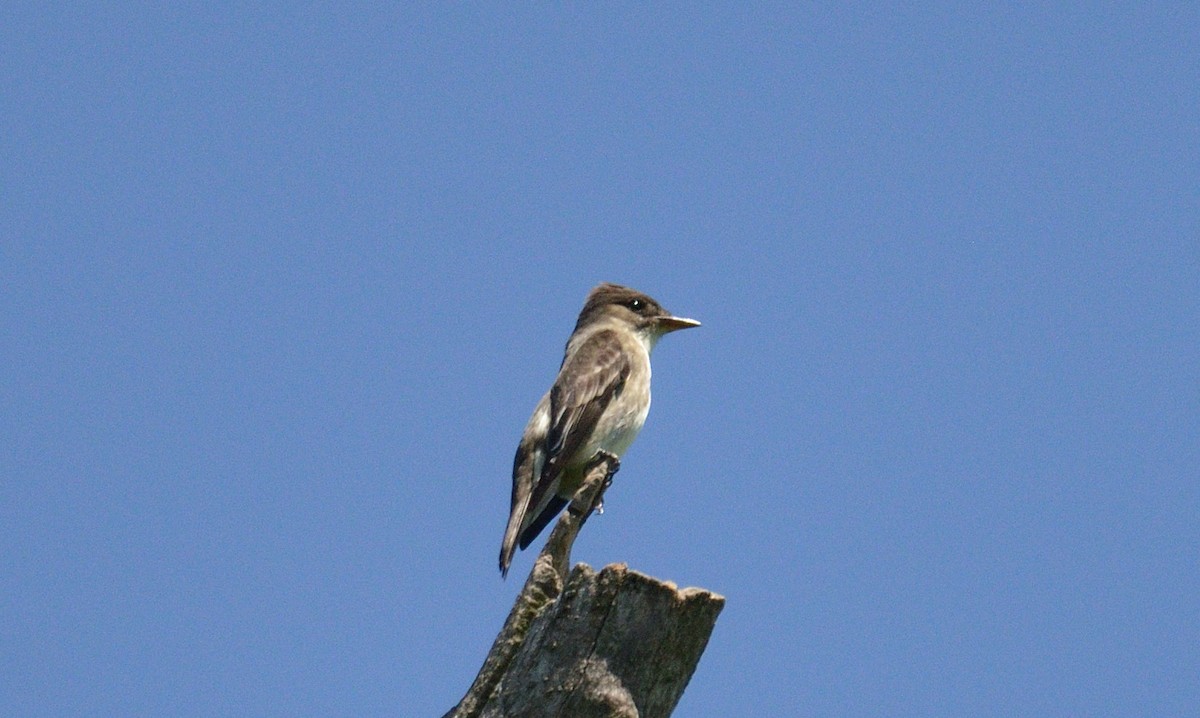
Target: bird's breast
{"points": [[623, 418]]}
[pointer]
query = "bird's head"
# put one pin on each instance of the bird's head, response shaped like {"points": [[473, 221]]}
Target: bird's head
{"points": [[629, 306]]}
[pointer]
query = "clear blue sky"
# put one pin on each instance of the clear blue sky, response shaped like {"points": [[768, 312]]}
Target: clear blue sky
{"points": [[281, 283]]}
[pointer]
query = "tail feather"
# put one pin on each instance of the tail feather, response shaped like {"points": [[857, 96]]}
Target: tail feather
{"points": [[509, 546], [553, 508]]}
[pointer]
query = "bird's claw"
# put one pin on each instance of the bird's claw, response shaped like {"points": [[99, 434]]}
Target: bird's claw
{"points": [[614, 465]]}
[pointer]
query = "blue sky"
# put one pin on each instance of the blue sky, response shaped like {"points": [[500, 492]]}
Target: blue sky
{"points": [[281, 283]]}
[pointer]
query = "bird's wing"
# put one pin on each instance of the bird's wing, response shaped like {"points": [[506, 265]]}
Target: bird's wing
{"points": [[594, 374], [527, 467], [584, 388]]}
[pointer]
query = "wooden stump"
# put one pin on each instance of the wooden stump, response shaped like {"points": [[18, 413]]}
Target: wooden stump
{"points": [[613, 644]]}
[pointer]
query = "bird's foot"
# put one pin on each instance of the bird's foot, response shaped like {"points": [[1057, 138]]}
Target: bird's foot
{"points": [[614, 465]]}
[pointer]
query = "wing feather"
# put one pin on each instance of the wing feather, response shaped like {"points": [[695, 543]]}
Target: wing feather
{"points": [[588, 381], [585, 386]]}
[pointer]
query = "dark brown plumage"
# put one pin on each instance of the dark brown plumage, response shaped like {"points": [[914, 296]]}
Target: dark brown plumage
{"points": [[598, 402]]}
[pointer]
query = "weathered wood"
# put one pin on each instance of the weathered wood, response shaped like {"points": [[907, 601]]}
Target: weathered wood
{"points": [[617, 643], [613, 644]]}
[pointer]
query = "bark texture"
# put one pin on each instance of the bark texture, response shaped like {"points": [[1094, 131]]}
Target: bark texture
{"points": [[613, 644]]}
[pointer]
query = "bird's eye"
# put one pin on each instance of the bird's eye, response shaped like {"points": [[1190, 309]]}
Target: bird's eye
{"points": [[635, 304]]}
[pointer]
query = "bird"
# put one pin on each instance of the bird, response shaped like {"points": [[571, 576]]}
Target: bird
{"points": [[597, 405]]}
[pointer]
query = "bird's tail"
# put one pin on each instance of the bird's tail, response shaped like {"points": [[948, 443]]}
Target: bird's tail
{"points": [[553, 508], [509, 546]]}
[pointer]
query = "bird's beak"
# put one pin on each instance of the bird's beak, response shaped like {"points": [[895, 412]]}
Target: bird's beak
{"points": [[670, 324]]}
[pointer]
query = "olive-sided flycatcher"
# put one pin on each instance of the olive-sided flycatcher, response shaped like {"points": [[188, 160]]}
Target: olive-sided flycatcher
{"points": [[598, 403]]}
